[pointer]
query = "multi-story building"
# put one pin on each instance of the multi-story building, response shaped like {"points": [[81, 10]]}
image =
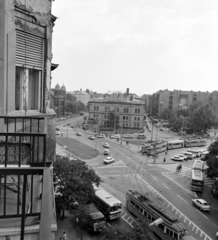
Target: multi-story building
{"points": [[177, 99], [58, 100], [27, 127], [130, 113]]}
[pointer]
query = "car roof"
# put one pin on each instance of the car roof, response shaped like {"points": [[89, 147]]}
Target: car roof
{"points": [[201, 200]]}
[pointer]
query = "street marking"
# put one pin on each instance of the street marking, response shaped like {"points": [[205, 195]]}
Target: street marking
{"points": [[154, 177], [165, 186], [173, 207], [182, 198], [201, 213]]}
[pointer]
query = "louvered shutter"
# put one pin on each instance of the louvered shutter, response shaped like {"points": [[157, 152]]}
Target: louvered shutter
{"points": [[29, 50]]}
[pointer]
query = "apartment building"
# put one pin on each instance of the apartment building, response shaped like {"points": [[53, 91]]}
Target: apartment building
{"points": [[178, 99], [27, 126], [130, 113]]}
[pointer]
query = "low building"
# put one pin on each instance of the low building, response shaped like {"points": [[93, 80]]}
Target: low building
{"points": [[129, 113]]}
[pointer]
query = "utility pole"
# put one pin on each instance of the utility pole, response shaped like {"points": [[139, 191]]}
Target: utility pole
{"points": [[115, 119]]}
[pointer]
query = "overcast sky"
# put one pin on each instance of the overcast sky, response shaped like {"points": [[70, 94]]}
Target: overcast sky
{"points": [[144, 45]]}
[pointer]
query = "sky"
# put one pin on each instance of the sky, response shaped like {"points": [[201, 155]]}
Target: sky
{"points": [[143, 45]]}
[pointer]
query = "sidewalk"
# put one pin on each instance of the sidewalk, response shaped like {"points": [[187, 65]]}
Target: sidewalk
{"points": [[65, 226]]}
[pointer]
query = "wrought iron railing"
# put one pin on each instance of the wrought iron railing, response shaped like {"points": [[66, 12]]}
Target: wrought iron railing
{"points": [[23, 141]]}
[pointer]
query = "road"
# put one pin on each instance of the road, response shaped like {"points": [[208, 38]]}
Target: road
{"points": [[132, 171]]}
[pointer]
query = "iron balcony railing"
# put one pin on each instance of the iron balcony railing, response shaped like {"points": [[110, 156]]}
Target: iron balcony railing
{"points": [[23, 141]]}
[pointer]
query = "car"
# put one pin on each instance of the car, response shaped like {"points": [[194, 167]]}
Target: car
{"points": [[91, 137], [183, 156], [106, 145], [100, 136], [177, 158], [130, 132], [141, 131], [79, 134], [106, 152], [128, 137], [57, 133], [201, 204], [141, 136], [109, 159], [161, 129]]}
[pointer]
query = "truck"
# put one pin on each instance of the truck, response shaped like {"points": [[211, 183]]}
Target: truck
{"points": [[214, 188], [96, 221]]}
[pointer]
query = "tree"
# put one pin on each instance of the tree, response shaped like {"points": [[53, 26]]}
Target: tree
{"points": [[70, 97], [166, 114], [212, 160], [73, 183], [87, 90], [203, 118]]}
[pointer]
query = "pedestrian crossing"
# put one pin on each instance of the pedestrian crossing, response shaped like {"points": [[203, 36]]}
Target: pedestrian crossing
{"points": [[185, 172]]}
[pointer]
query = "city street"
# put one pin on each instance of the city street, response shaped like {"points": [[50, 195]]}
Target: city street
{"points": [[132, 170]]}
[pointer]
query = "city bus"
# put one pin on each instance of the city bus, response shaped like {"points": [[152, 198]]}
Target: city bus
{"points": [[171, 144], [144, 208], [197, 177], [197, 180], [110, 206], [195, 142]]}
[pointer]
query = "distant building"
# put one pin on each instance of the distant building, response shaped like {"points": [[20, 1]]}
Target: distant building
{"points": [[179, 99], [130, 113], [81, 96], [58, 96]]}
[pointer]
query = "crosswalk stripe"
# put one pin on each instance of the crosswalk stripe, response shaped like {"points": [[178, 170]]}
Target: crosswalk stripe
{"points": [[186, 172]]}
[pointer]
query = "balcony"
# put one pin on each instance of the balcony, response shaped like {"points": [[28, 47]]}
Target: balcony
{"points": [[26, 189]]}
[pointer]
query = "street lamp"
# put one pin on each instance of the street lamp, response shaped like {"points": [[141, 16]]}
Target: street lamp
{"points": [[115, 110]]}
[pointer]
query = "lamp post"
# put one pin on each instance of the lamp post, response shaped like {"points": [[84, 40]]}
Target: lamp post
{"points": [[115, 110]]}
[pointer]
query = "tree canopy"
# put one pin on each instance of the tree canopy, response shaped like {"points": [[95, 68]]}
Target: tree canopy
{"points": [[212, 160], [73, 183], [111, 119]]}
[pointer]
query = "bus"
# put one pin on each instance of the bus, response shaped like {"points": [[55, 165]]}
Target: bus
{"points": [[197, 177], [96, 222], [110, 206], [144, 208], [171, 144], [195, 142], [197, 180]]}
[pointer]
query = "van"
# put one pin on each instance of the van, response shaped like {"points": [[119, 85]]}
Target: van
{"points": [[141, 136], [189, 155]]}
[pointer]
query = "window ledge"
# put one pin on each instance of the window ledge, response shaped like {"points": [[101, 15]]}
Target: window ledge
{"points": [[50, 113]]}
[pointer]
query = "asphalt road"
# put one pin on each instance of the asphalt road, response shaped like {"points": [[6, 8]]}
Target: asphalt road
{"points": [[130, 171]]}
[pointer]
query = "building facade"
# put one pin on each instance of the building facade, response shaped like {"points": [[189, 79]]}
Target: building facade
{"points": [[27, 126], [178, 99], [130, 114], [58, 100]]}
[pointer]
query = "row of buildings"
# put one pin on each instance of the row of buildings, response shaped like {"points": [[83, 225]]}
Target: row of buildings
{"points": [[179, 99], [27, 125]]}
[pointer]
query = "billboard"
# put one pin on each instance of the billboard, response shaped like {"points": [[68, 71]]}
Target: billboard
{"points": [[183, 101]]}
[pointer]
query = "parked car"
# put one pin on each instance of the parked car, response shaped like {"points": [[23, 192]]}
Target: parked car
{"points": [[141, 131], [100, 136], [115, 136], [141, 136], [106, 145], [128, 137], [177, 158], [91, 137], [109, 159], [106, 152], [57, 133], [183, 156], [79, 134], [201, 204]]}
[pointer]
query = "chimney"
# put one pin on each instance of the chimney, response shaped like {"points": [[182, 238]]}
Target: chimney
{"points": [[127, 91]]}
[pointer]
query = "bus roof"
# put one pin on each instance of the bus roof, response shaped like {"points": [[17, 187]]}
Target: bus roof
{"points": [[106, 197], [197, 175], [198, 165]]}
